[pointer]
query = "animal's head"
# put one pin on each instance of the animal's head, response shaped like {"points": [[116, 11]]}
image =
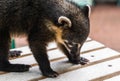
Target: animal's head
{"points": [[74, 30]]}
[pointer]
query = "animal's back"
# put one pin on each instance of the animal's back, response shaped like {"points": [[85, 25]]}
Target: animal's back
{"points": [[16, 15]]}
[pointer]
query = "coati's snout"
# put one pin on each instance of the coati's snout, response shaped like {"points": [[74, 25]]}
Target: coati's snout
{"points": [[72, 47]]}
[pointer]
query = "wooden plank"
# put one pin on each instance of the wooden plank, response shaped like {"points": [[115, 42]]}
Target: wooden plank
{"points": [[59, 65], [93, 60], [114, 77], [52, 54], [88, 47], [101, 60], [91, 72], [51, 46], [109, 77]]}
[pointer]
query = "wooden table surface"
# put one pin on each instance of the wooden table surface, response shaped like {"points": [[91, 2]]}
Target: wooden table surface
{"points": [[104, 65]]}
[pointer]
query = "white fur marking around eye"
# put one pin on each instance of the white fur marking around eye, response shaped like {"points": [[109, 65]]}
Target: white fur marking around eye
{"points": [[67, 48], [79, 45]]}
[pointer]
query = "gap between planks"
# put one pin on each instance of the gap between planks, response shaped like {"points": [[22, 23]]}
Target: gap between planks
{"points": [[102, 78], [83, 66], [47, 50], [52, 60]]}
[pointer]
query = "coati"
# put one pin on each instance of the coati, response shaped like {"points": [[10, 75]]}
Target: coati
{"points": [[43, 21]]}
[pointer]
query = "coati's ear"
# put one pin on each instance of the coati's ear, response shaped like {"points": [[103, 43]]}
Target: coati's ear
{"points": [[66, 22], [87, 10]]}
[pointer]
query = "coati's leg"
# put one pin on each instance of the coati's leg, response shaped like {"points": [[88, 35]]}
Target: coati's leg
{"points": [[73, 54], [40, 53], [4, 49]]}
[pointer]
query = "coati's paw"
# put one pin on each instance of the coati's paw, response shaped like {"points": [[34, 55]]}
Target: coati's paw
{"points": [[15, 68], [51, 74], [81, 61], [15, 53]]}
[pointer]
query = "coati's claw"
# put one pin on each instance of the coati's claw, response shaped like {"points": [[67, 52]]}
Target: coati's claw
{"points": [[15, 68], [83, 60], [50, 74], [14, 53]]}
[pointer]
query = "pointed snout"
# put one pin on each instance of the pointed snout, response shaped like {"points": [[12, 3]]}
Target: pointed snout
{"points": [[75, 49]]}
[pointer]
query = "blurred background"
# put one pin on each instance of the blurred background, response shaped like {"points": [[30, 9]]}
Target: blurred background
{"points": [[104, 22]]}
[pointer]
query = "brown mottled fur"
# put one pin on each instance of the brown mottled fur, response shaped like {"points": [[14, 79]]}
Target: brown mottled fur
{"points": [[38, 20]]}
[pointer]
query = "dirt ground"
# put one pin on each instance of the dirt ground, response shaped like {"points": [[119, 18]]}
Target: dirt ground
{"points": [[105, 26]]}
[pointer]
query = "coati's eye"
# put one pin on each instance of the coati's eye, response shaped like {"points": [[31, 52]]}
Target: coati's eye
{"points": [[69, 44], [72, 47]]}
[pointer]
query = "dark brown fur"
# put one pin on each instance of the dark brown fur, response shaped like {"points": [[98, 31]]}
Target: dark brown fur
{"points": [[38, 20]]}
